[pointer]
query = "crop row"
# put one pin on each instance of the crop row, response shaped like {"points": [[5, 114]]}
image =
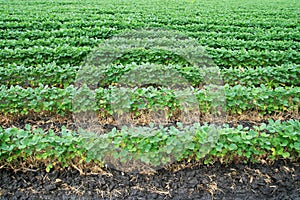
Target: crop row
{"points": [[107, 22], [246, 33], [251, 58], [105, 32], [102, 16], [224, 58], [254, 14], [51, 42], [65, 75], [96, 32], [258, 9], [228, 43], [38, 55], [235, 99], [158, 147]]}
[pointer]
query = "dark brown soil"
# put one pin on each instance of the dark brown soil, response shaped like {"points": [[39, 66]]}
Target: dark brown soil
{"points": [[235, 181]]}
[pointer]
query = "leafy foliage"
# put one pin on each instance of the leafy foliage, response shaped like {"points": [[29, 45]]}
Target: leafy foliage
{"points": [[268, 141], [262, 37], [255, 44], [238, 99], [64, 75]]}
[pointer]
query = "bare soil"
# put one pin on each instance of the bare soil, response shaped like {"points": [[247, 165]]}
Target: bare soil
{"points": [[281, 180]]}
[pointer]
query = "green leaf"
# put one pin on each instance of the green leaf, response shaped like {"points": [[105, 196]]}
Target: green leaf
{"points": [[49, 167], [286, 154], [232, 147]]}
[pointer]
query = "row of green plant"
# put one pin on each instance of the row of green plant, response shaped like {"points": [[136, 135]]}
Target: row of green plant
{"points": [[64, 75], [187, 24], [243, 39], [153, 145], [31, 76], [274, 76], [242, 33], [237, 99], [266, 37], [79, 41], [85, 19], [238, 44], [95, 32], [247, 35], [224, 58], [104, 17], [115, 9], [51, 42], [38, 55]]}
